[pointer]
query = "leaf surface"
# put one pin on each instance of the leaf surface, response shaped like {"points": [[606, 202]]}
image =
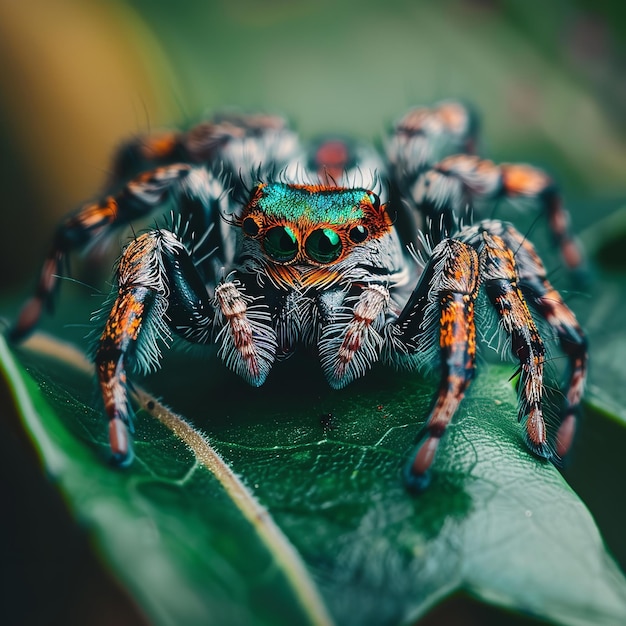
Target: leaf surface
{"points": [[496, 522]]}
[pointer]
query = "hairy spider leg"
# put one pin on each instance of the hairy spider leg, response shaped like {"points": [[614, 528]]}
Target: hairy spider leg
{"points": [[439, 316], [501, 283], [138, 322], [160, 291], [349, 346], [550, 306], [421, 138], [138, 198], [157, 290], [240, 146], [235, 143], [462, 182]]}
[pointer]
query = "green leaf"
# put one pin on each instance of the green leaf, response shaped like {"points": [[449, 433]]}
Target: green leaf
{"points": [[192, 544], [603, 313], [496, 522]]}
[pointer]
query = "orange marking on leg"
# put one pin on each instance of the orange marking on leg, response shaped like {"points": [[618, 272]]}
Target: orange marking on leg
{"points": [[234, 309], [425, 456], [96, 215], [124, 322], [536, 428], [453, 115], [524, 180], [159, 146], [565, 435], [112, 380]]}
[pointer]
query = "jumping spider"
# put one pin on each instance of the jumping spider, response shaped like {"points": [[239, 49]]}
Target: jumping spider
{"points": [[360, 258]]}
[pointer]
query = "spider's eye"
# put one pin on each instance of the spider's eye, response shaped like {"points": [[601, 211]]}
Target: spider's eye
{"points": [[281, 243], [374, 199], [323, 245], [250, 227], [358, 234]]}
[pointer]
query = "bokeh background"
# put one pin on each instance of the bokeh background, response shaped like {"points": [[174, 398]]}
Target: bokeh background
{"points": [[77, 77]]}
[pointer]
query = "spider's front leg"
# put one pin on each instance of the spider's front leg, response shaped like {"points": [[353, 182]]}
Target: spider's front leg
{"points": [[438, 321], [442, 306], [158, 290]]}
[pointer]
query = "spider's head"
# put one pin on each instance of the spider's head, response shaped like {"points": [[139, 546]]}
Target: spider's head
{"points": [[300, 228]]}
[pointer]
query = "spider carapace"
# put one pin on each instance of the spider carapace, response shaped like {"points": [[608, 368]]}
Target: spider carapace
{"points": [[361, 257]]}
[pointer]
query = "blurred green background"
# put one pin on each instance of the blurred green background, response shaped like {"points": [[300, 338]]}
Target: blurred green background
{"points": [[77, 77]]}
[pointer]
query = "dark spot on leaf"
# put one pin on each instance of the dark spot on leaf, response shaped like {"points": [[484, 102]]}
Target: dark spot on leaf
{"points": [[327, 421]]}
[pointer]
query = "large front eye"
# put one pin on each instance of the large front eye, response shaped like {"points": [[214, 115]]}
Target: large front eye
{"points": [[323, 245], [280, 243]]}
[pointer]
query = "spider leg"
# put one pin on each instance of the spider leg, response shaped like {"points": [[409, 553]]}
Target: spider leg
{"points": [[236, 143], [550, 306], [426, 135], [352, 343], [138, 198], [501, 283], [158, 290], [445, 193], [421, 138], [439, 319]]}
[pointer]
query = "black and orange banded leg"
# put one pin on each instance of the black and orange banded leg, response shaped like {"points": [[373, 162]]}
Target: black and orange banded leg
{"points": [[117, 343], [525, 181], [158, 291], [451, 281], [503, 290], [445, 192], [549, 304], [138, 198], [145, 152], [211, 142]]}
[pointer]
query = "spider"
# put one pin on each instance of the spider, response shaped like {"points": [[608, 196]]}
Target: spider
{"points": [[359, 257]]}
